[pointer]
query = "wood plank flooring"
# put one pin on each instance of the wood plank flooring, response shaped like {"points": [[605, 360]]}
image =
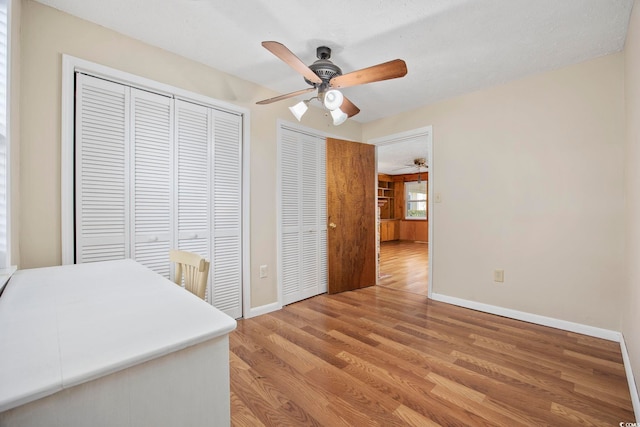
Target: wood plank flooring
{"points": [[382, 357], [404, 266]]}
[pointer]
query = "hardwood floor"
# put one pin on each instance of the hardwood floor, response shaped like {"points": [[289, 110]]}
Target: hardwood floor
{"points": [[404, 266], [378, 356]]}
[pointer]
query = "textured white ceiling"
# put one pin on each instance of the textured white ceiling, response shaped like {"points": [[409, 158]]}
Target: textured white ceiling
{"points": [[451, 47], [397, 158]]}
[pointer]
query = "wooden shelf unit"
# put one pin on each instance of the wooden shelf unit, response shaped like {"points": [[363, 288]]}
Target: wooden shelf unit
{"points": [[386, 195], [393, 225]]}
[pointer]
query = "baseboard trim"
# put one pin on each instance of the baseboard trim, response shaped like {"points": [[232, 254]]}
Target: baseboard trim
{"points": [[558, 324], [633, 391], [591, 331], [263, 309]]}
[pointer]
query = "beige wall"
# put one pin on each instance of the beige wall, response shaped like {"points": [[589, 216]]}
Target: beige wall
{"points": [[529, 172], [631, 308], [531, 180], [46, 35]]}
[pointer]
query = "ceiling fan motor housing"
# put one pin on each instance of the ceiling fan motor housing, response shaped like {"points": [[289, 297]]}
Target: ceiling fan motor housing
{"points": [[323, 67]]}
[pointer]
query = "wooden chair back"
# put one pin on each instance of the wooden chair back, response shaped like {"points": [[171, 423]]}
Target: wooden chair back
{"points": [[193, 268]]}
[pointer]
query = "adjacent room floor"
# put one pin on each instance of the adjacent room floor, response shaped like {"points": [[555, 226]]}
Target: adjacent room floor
{"points": [[404, 266]]}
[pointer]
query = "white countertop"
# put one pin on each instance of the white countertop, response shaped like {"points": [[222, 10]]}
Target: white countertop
{"points": [[5, 275], [63, 326]]}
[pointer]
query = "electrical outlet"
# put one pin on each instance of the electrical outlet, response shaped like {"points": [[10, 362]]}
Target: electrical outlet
{"points": [[438, 198], [263, 271], [498, 275]]}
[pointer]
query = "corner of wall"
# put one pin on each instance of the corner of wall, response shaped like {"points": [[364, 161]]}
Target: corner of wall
{"points": [[630, 312]]}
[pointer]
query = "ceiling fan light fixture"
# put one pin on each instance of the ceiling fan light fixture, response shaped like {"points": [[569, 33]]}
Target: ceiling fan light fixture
{"points": [[333, 99], [299, 109], [339, 116], [325, 77]]}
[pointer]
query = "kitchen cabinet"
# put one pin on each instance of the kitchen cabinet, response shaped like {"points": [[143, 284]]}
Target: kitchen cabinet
{"points": [[389, 230]]}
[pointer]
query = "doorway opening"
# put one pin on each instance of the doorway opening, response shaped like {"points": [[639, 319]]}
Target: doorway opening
{"points": [[405, 211]]}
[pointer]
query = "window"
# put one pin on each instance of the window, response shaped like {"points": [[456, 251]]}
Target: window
{"points": [[415, 196]]}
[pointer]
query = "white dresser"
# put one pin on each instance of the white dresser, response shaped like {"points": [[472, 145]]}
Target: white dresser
{"points": [[110, 344]]}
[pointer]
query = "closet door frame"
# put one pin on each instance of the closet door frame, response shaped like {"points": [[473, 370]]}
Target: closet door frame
{"points": [[71, 65]]}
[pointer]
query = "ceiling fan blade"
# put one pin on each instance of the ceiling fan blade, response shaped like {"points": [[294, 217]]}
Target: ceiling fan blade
{"points": [[282, 52], [285, 96], [385, 71], [349, 108]]}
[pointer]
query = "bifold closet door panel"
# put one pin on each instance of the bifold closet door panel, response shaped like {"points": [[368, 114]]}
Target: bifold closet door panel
{"points": [[192, 176], [226, 196], [102, 171], [290, 212], [313, 214], [152, 178]]}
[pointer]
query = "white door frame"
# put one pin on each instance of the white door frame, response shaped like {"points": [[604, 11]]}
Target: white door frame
{"points": [[399, 137]]}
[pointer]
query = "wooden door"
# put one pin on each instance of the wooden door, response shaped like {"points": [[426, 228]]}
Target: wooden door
{"points": [[351, 215]]}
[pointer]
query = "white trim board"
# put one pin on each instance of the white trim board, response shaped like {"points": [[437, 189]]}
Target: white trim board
{"points": [[263, 309], [565, 325], [633, 391], [297, 127]]}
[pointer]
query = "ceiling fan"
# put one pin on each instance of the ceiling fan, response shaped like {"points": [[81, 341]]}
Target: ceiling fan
{"points": [[326, 77], [418, 163]]}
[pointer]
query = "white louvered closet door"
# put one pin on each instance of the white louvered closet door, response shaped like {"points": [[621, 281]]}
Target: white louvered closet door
{"points": [[102, 171], [152, 179], [154, 173], [226, 266], [193, 144], [302, 215], [290, 245], [209, 197]]}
